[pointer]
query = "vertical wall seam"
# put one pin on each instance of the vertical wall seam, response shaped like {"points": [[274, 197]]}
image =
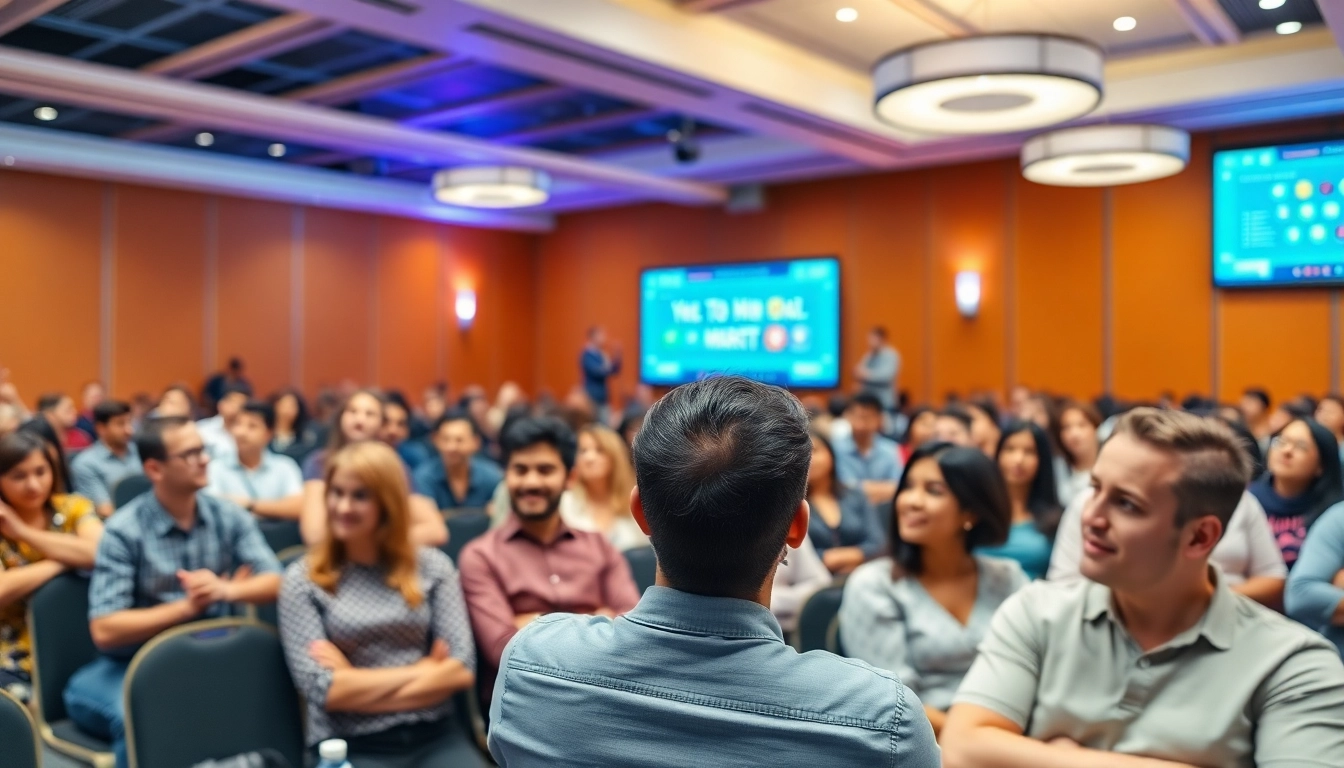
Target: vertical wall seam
{"points": [[1107, 292], [210, 347], [108, 294], [1334, 340], [375, 333], [1010, 279], [296, 256], [928, 288]]}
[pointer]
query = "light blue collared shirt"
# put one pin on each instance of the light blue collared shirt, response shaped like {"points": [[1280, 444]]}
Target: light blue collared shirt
{"points": [[882, 462], [96, 470], [276, 477], [693, 681]]}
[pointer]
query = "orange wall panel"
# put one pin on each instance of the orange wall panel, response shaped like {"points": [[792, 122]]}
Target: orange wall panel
{"points": [[1057, 277], [499, 345], [159, 315], [1162, 284], [254, 289], [409, 304], [1279, 340], [50, 256], [338, 298]]}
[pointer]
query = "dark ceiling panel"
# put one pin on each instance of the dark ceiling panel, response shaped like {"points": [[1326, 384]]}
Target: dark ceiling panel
{"points": [[123, 15], [1250, 17], [127, 56], [201, 28], [35, 38]]}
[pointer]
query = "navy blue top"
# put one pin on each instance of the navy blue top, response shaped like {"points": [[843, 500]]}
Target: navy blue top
{"points": [[431, 479]]}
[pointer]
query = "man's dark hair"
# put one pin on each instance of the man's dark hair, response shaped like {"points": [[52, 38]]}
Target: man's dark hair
{"points": [[865, 400], [958, 413], [457, 414], [109, 410], [528, 431], [1258, 394], [881, 331], [721, 466], [149, 440], [398, 398], [263, 409], [49, 401], [235, 388], [235, 363]]}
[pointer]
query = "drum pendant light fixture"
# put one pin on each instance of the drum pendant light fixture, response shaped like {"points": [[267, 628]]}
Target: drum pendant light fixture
{"points": [[988, 84], [1105, 155], [492, 187]]}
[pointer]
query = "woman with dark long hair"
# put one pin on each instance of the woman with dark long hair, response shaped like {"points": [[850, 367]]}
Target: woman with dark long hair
{"points": [[922, 612], [293, 438], [1027, 465], [1074, 429], [1301, 482], [43, 533], [843, 526]]}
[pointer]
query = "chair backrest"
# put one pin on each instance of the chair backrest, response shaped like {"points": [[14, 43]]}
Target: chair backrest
{"points": [[281, 534], [58, 625], [819, 616], [463, 526], [643, 566], [18, 734], [128, 487], [211, 690]]}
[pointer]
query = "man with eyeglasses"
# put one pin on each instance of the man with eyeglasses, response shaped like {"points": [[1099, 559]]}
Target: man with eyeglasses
{"points": [[169, 557]]}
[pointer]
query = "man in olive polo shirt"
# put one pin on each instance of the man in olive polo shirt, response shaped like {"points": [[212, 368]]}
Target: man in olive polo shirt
{"points": [[1153, 662]]}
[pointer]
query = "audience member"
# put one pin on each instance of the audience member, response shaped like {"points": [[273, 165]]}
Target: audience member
{"points": [[953, 425], [699, 672], [375, 629], [1018, 396], [360, 418], [535, 564], [798, 577], [1315, 594], [460, 477], [1301, 482], [879, 368], [599, 497], [293, 434], [1038, 409], [60, 468], [843, 527], [1075, 433], [90, 395], [918, 431], [985, 429], [1027, 466], [598, 366], [264, 483], [169, 557], [59, 411], [217, 431], [95, 472], [396, 432], [10, 418], [921, 612], [217, 386], [864, 459], [1330, 414], [1255, 404], [176, 401], [630, 426], [42, 535], [1152, 658]]}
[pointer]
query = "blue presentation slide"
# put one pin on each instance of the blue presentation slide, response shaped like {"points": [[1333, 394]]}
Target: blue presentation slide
{"points": [[774, 321], [1277, 215]]}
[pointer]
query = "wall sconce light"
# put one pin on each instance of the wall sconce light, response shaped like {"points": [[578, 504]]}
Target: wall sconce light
{"points": [[968, 294], [465, 305]]}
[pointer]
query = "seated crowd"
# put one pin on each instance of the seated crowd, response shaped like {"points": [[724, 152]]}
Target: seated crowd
{"points": [[1051, 583]]}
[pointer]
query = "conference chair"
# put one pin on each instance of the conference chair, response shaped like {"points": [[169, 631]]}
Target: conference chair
{"points": [[281, 534], [643, 566], [128, 487], [269, 613], [58, 627], [463, 526], [819, 623], [211, 690], [18, 735]]}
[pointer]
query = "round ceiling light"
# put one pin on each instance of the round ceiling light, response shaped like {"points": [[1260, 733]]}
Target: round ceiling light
{"points": [[988, 84], [492, 187], [1105, 155]]}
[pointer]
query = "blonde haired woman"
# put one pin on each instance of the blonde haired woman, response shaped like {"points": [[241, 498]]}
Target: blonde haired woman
{"points": [[598, 499], [375, 629]]}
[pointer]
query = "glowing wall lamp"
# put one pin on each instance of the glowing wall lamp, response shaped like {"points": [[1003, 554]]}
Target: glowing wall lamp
{"points": [[968, 294], [465, 304]]}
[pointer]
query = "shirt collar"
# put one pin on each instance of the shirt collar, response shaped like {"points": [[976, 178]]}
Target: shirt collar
{"points": [[513, 528], [728, 617], [162, 523], [1218, 625]]}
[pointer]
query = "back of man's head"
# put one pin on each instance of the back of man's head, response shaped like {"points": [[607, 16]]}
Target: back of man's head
{"points": [[109, 410], [721, 466]]}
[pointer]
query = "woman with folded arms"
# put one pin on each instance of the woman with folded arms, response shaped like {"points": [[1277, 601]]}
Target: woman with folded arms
{"points": [[375, 628], [921, 612]]}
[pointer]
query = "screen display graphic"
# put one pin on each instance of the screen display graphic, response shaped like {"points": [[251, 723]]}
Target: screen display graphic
{"points": [[1277, 215], [773, 321]]}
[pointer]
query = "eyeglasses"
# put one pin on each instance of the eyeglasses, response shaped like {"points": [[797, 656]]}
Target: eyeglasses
{"points": [[1283, 442], [192, 455]]}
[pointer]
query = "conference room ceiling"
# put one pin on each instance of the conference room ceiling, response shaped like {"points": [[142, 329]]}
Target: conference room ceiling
{"points": [[588, 89]]}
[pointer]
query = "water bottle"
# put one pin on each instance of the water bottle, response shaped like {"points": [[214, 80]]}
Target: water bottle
{"points": [[332, 752]]}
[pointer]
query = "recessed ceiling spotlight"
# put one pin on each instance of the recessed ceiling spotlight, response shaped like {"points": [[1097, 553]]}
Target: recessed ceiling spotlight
{"points": [[1125, 24], [846, 15], [276, 150], [1269, 5], [46, 114], [205, 139], [1289, 28]]}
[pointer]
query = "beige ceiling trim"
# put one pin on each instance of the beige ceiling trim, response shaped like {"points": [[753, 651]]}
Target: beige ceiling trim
{"points": [[283, 33], [933, 14]]}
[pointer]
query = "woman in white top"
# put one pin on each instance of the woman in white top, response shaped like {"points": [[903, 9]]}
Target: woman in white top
{"points": [[598, 499], [1074, 430], [797, 578], [1247, 554]]}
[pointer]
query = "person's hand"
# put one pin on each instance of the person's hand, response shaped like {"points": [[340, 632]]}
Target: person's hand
{"points": [[1064, 742], [1339, 579], [205, 587], [840, 560], [12, 526], [328, 656], [241, 501]]}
